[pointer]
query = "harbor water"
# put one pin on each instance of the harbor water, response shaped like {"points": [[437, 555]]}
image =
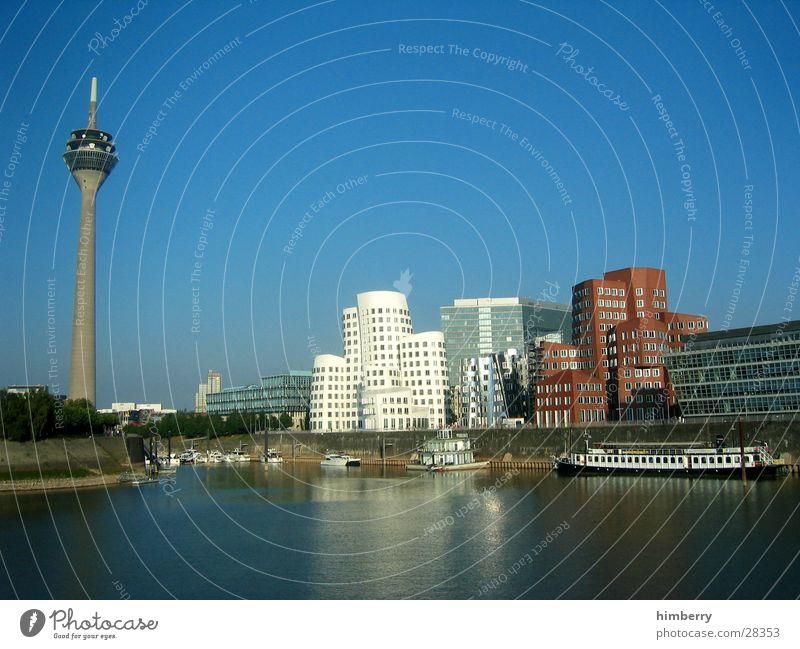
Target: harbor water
{"points": [[300, 531]]}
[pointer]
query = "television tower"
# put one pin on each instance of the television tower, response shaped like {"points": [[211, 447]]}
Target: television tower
{"points": [[90, 158]]}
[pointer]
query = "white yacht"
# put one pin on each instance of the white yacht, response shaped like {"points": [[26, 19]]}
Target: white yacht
{"points": [[214, 457], [237, 455], [189, 457], [272, 457], [340, 459]]}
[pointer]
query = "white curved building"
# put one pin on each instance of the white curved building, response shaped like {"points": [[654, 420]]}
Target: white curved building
{"points": [[388, 379]]}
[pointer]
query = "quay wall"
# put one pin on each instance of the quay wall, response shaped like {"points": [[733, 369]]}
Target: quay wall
{"points": [[108, 454], [95, 454], [522, 443]]}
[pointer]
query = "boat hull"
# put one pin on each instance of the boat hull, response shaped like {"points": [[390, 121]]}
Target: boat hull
{"points": [[339, 461], [472, 466], [771, 471]]}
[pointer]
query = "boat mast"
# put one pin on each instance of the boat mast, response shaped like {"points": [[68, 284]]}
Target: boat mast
{"points": [[741, 450]]}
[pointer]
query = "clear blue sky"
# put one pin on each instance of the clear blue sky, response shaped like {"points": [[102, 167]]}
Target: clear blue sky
{"points": [[311, 95]]}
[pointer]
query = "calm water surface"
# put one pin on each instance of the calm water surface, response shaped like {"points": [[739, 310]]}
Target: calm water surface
{"points": [[304, 531]]}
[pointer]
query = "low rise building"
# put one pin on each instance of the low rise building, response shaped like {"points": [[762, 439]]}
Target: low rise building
{"points": [[279, 394], [738, 372]]}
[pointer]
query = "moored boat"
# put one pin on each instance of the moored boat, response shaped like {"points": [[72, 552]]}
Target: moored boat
{"points": [[237, 455], [447, 451], [271, 457], [189, 457], [340, 459], [671, 459]]}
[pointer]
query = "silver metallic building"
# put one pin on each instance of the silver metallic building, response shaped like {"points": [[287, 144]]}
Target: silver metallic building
{"points": [[278, 394], [477, 327]]}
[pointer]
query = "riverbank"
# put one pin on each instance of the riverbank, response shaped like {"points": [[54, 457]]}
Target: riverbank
{"points": [[46, 483], [519, 445], [98, 461], [58, 464]]}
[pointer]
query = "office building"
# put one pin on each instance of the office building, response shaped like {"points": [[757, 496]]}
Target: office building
{"points": [[212, 385], [474, 328], [738, 372], [389, 378], [279, 394], [140, 414], [90, 158], [494, 391], [621, 328]]}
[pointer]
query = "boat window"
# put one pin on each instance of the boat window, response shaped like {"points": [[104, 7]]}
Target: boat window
{"points": [[719, 460], [650, 460], [630, 459], [672, 460], [746, 458], [727, 459]]}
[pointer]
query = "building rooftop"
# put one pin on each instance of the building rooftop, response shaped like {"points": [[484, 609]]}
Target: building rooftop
{"points": [[508, 301], [775, 329]]}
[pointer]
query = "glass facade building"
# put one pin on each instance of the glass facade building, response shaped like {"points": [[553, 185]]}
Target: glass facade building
{"points": [[751, 371], [282, 393], [475, 328]]}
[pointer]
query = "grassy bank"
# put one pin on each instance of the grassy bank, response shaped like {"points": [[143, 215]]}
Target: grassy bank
{"points": [[51, 474]]}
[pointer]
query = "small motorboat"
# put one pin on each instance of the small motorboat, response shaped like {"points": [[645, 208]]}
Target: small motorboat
{"points": [[237, 455], [272, 457], [340, 459]]}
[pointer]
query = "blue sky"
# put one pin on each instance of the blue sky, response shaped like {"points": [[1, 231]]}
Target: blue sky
{"points": [[308, 98]]}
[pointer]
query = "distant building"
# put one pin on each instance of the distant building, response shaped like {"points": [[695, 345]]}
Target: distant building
{"points": [[621, 329], [494, 390], [389, 378], [212, 385], [477, 327], [276, 395], [130, 412], [748, 371], [26, 389]]}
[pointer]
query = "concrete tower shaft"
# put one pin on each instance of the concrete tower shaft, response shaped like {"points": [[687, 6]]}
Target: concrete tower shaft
{"points": [[90, 157]]}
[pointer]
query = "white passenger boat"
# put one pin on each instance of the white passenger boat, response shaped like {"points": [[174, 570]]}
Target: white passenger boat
{"points": [[340, 459], [671, 459]]}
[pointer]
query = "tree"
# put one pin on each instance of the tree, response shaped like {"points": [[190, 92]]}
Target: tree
{"points": [[26, 416], [286, 421], [80, 418]]}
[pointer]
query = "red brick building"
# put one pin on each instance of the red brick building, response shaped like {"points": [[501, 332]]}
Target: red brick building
{"points": [[620, 329]]}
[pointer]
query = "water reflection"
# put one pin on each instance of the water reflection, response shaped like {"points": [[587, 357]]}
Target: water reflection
{"points": [[300, 531]]}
